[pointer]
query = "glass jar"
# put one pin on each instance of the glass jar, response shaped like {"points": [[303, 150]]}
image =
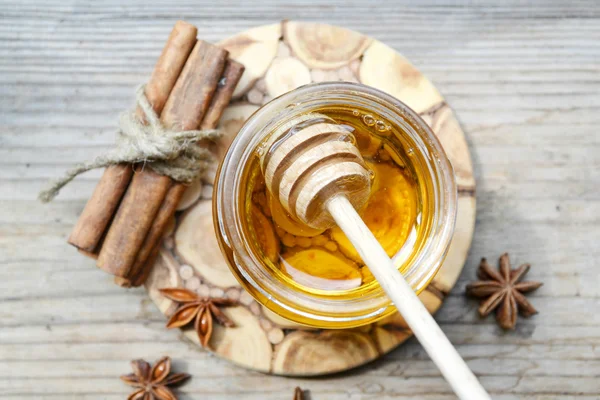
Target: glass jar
{"points": [[419, 264]]}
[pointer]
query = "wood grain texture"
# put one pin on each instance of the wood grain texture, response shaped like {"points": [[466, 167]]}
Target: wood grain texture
{"points": [[523, 80]]}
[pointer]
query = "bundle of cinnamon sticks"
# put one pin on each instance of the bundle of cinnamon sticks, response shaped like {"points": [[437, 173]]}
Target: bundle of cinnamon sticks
{"points": [[124, 220]]}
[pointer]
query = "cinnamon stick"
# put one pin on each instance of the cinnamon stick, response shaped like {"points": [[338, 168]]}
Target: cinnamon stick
{"points": [[100, 208], [184, 110], [143, 276], [231, 75], [164, 214]]}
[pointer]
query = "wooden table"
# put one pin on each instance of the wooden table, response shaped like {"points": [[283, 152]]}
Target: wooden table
{"points": [[524, 80]]}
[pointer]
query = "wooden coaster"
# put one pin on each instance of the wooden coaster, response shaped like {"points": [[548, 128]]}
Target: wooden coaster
{"points": [[279, 58]]}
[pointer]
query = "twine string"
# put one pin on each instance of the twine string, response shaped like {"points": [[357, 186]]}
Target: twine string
{"points": [[168, 152]]}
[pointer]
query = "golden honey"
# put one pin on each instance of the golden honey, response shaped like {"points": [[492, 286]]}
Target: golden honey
{"points": [[324, 261], [315, 277]]}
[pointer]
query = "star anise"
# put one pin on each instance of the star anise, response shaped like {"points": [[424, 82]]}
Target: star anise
{"points": [[202, 309], [152, 383], [298, 394], [503, 291]]}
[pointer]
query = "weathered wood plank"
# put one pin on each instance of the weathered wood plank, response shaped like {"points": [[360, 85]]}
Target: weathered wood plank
{"points": [[353, 385], [523, 79]]}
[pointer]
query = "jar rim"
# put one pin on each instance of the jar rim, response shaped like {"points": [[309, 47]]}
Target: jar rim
{"points": [[246, 266]]}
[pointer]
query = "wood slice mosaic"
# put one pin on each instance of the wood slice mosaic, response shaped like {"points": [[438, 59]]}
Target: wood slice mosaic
{"points": [[279, 58]]}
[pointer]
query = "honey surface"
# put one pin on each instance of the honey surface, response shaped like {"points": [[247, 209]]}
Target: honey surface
{"points": [[324, 260]]}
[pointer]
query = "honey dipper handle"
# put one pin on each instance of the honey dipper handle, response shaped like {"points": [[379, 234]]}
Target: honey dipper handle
{"points": [[453, 367]]}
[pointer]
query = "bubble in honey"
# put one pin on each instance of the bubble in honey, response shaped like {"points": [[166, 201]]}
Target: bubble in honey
{"points": [[381, 126], [349, 138], [260, 150], [368, 120], [356, 113], [371, 174]]}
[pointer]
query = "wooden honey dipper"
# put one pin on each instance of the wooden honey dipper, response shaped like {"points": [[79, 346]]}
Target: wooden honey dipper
{"points": [[320, 178]]}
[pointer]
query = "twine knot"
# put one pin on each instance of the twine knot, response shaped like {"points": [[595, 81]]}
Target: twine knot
{"points": [[168, 152]]}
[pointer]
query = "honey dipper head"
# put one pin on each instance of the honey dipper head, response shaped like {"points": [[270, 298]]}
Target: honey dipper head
{"points": [[310, 160]]}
